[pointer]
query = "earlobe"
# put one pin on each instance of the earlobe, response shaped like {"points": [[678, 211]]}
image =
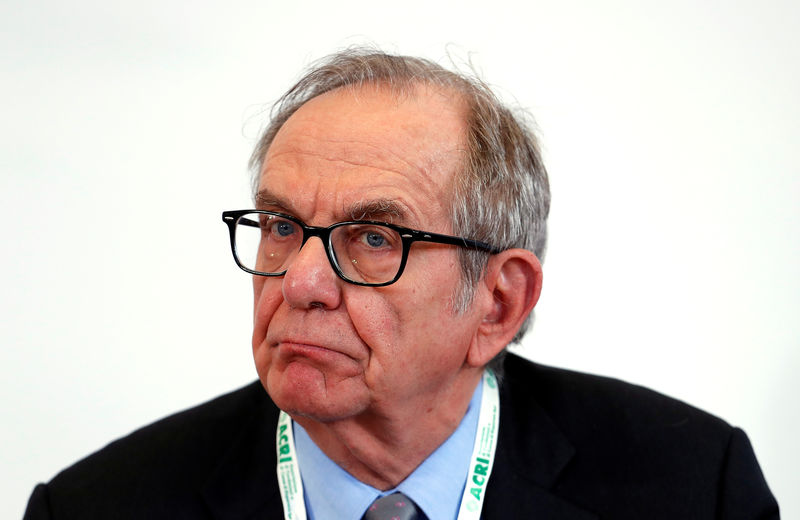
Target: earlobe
{"points": [[512, 285]]}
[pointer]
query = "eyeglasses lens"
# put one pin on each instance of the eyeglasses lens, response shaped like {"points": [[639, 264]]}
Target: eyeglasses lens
{"points": [[364, 253]]}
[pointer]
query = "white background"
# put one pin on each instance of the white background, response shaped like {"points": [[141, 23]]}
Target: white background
{"points": [[671, 134]]}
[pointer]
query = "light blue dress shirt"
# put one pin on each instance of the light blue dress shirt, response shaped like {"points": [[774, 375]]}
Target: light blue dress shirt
{"points": [[436, 486]]}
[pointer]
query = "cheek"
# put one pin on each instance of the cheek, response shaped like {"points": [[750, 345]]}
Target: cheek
{"points": [[267, 296], [375, 319], [400, 321], [427, 316]]}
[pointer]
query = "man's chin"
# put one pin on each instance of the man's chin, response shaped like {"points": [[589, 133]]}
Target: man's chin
{"points": [[301, 390]]}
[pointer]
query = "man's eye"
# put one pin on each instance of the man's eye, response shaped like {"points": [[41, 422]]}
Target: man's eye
{"points": [[374, 239], [282, 228]]}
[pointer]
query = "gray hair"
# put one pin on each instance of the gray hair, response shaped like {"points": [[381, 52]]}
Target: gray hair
{"points": [[501, 196]]}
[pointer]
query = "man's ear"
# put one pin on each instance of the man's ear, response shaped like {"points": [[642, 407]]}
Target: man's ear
{"points": [[511, 286]]}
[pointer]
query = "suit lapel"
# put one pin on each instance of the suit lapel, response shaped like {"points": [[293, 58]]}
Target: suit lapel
{"points": [[531, 454], [244, 484]]}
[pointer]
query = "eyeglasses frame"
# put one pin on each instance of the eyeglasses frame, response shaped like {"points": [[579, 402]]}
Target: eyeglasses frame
{"points": [[407, 235]]}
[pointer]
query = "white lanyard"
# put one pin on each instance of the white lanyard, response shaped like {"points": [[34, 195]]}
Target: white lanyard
{"points": [[481, 461], [294, 507]]}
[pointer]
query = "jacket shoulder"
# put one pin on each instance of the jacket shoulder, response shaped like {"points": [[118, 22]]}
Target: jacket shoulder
{"points": [[579, 401], [166, 462], [627, 451]]}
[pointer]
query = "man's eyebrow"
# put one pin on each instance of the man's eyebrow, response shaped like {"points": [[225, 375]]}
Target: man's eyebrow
{"points": [[265, 199], [383, 209], [388, 210]]}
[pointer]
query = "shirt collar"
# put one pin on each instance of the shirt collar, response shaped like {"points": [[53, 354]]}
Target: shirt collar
{"points": [[435, 486]]}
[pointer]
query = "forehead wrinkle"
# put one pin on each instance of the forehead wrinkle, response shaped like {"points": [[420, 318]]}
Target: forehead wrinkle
{"points": [[428, 164], [355, 153]]}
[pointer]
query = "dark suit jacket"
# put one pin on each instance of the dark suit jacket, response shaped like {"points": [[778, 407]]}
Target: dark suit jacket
{"points": [[571, 447]]}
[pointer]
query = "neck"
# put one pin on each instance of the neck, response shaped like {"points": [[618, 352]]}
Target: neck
{"points": [[382, 447]]}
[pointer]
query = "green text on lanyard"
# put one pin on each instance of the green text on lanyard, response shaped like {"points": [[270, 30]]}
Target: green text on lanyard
{"points": [[481, 461]]}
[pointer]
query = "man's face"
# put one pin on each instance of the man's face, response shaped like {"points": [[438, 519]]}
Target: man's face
{"points": [[331, 350]]}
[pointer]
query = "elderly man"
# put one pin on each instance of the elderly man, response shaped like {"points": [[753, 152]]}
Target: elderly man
{"points": [[395, 245]]}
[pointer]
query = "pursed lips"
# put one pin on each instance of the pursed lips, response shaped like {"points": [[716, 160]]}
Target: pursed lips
{"points": [[307, 348]]}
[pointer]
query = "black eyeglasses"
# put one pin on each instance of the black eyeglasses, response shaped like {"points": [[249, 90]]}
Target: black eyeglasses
{"points": [[361, 252]]}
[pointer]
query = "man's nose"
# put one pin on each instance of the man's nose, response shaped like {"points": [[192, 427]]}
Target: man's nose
{"points": [[310, 280]]}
